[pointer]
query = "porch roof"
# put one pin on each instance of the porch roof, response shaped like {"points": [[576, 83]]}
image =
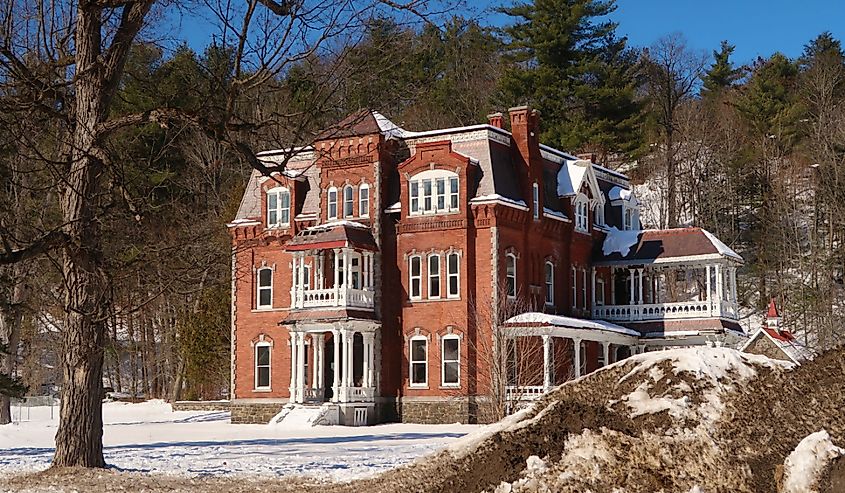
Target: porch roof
{"points": [[337, 234], [661, 246], [534, 323]]}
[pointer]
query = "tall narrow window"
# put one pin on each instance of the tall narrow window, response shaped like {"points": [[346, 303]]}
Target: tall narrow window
{"points": [[332, 206], [415, 197], [536, 199], [581, 214], [582, 348], [450, 371], [428, 205], [262, 365], [550, 283], [278, 207], [416, 277], [434, 276], [574, 288], [453, 193], [355, 265], [599, 292], [265, 288], [584, 288], [419, 361], [348, 201], [599, 215], [510, 274], [453, 275], [306, 275], [441, 194], [364, 200]]}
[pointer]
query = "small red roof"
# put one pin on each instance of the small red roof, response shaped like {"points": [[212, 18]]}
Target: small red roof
{"points": [[773, 310], [338, 234]]}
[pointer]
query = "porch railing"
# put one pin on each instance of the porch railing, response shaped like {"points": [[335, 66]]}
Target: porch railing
{"points": [[357, 394], [515, 393], [665, 311], [342, 297]]}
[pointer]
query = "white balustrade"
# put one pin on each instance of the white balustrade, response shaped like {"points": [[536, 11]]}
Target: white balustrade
{"points": [[665, 311], [317, 298], [360, 394], [312, 395], [515, 393]]}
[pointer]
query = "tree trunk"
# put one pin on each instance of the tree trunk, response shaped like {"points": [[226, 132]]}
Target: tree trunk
{"points": [[79, 439], [11, 317]]}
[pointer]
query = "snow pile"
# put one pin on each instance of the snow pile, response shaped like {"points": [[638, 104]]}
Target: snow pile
{"points": [[804, 466], [619, 241], [619, 193]]}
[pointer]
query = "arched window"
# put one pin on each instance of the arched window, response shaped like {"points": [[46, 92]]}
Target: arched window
{"points": [[510, 274], [433, 192], [262, 365], [348, 201], [453, 275], [581, 214], [450, 361], [418, 360], [599, 215], [364, 200], [550, 283], [415, 274], [434, 276], [332, 205], [265, 288], [278, 207]]}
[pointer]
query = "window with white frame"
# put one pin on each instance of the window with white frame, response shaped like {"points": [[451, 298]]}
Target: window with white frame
{"points": [[536, 200], [510, 274], [550, 283], [262, 365], [584, 288], [265, 288], [433, 192], [364, 200], [581, 214], [450, 360], [434, 276], [348, 201], [629, 219], [418, 361], [306, 277], [599, 215], [278, 207], [332, 205], [453, 275], [599, 292], [574, 288], [415, 271]]}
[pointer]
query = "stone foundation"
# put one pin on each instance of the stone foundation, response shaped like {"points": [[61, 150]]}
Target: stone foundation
{"points": [[441, 411], [254, 412], [200, 405]]}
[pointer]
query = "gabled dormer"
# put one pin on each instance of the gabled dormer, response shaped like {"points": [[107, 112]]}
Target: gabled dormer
{"points": [[577, 184], [434, 181]]}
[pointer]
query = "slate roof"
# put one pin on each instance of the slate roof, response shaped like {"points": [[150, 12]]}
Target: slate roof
{"points": [[664, 245]]}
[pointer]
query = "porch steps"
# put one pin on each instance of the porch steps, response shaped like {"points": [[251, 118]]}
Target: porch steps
{"points": [[303, 415]]}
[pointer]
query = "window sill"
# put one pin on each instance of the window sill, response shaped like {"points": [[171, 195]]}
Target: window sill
{"points": [[263, 390], [450, 386], [436, 213], [279, 226], [582, 231], [418, 386], [431, 300], [268, 309]]}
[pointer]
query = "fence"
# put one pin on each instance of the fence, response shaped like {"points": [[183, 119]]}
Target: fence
{"points": [[22, 408]]}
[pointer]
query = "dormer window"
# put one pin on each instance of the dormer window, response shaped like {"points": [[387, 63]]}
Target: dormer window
{"points": [[278, 207], [433, 192], [599, 215], [582, 214]]}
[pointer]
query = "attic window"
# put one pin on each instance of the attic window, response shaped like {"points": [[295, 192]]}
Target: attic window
{"points": [[582, 214], [278, 207]]}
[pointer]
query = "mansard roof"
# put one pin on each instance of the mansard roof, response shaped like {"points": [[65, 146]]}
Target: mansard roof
{"points": [[660, 246]]}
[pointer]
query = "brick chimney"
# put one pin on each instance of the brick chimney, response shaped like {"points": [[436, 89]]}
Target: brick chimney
{"points": [[496, 120], [525, 149]]}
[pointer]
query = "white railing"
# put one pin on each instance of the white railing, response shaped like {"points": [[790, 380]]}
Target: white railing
{"points": [[310, 394], [665, 311], [341, 297], [515, 393], [357, 394]]}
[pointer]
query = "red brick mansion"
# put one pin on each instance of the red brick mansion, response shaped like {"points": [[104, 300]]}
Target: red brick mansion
{"points": [[375, 275]]}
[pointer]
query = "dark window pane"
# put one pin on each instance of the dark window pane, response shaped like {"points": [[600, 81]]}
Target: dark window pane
{"points": [[418, 350], [433, 286], [418, 373], [265, 277], [263, 355], [450, 349], [453, 285], [264, 297], [453, 263], [264, 377], [415, 287], [450, 373], [415, 266]]}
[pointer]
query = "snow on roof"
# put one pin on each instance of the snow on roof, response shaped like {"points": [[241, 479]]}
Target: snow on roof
{"points": [[388, 128], [720, 247], [396, 207], [343, 222], [496, 198], [784, 341], [574, 323], [554, 214], [619, 193], [571, 176], [619, 241]]}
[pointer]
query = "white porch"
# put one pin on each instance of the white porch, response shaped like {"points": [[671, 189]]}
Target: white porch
{"points": [[341, 369], [339, 277], [669, 291]]}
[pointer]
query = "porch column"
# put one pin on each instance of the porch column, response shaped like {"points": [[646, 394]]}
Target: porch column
{"points": [[318, 271], [547, 362], [300, 367], [707, 285], [368, 359], [593, 290], [293, 366], [370, 269], [302, 280], [576, 344], [317, 340], [734, 296], [631, 296], [640, 291], [336, 281], [612, 286], [336, 370], [606, 349], [294, 289], [719, 284], [347, 269]]}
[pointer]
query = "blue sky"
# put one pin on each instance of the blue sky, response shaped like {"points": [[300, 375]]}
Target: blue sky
{"points": [[756, 27]]}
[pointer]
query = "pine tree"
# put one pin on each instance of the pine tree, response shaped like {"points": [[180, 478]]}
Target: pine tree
{"points": [[566, 61], [722, 73]]}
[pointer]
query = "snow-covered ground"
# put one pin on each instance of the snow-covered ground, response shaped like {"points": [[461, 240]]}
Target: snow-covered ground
{"points": [[149, 437]]}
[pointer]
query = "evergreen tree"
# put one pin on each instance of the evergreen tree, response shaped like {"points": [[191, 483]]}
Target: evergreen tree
{"points": [[824, 46], [566, 61], [10, 386], [722, 74]]}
